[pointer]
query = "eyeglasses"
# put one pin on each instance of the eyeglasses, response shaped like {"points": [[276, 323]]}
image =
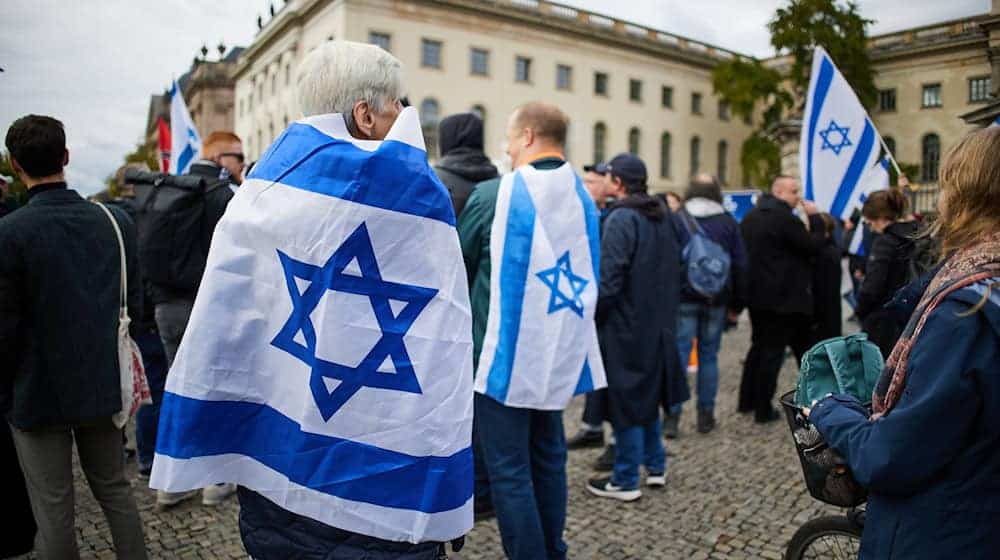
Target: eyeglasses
{"points": [[238, 155]]}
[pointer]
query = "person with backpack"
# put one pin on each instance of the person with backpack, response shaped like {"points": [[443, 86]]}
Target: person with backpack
{"points": [[175, 232], [714, 276], [889, 265]]}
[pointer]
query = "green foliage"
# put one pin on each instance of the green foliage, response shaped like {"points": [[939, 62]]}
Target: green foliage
{"points": [[911, 170], [16, 190], [752, 89]]}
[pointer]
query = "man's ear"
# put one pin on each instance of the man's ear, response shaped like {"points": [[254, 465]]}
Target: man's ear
{"points": [[66, 158], [364, 120], [529, 136], [18, 171]]}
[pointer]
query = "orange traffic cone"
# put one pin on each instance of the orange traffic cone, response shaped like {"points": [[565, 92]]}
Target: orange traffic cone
{"points": [[693, 359]]}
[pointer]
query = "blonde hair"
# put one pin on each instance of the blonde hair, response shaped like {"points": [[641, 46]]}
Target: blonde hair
{"points": [[970, 187]]}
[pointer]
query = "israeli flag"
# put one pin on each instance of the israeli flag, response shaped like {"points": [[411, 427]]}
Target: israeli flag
{"points": [[540, 347], [875, 179], [185, 144], [327, 364], [739, 203], [839, 149]]}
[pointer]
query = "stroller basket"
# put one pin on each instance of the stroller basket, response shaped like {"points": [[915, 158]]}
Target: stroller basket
{"points": [[827, 475]]}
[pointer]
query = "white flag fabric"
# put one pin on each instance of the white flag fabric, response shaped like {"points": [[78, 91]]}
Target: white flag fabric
{"points": [[875, 178], [840, 151], [996, 122], [540, 347], [185, 144], [327, 363]]}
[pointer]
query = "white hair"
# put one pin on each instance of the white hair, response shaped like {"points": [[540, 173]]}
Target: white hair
{"points": [[334, 76]]}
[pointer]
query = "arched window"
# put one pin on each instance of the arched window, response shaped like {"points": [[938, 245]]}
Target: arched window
{"points": [[931, 158], [600, 137], [430, 114], [695, 155], [633, 140], [665, 155], [722, 166]]}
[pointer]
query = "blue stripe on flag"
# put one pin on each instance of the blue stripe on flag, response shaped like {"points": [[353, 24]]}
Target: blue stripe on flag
{"points": [[819, 97], [854, 170], [334, 466], [513, 281], [393, 177], [184, 159], [593, 220], [586, 383]]}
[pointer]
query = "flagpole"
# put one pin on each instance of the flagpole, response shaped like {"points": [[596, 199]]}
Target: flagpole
{"points": [[892, 158]]}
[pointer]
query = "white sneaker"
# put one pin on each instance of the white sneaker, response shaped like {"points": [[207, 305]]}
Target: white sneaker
{"points": [[170, 499], [604, 488], [217, 493], [656, 480]]}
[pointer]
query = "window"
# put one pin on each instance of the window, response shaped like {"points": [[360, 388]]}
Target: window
{"points": [[887, 100], [383, 40], [723, 111], [600, 84], [274, 84], [633, 140], [979, 89], [695, 103], [890, 143], [722, 166], [695, 155], [665, 155], [479, 62], [600, 135], [522, 69], [667, 97], [564, 77], [430, 113], [932, 95], [430, 53], [635, 90], [931, 158]]}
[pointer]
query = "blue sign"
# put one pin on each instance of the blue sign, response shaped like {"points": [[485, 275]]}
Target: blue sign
{"points": [[738, 203]]}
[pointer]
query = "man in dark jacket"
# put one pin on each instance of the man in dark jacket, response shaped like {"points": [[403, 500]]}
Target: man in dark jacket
{"points": [[779, 291], [59, 378], [637, 326], [463, 163]]}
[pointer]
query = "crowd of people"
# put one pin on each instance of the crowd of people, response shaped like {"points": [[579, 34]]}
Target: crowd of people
{"points": [[674, 273]]}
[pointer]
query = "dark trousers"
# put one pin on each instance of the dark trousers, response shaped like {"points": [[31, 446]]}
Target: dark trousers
{"points": [[525, 453], [772, 333], [19, 525], [481, 488], [595, 408], [171, 320], [147, 420]]}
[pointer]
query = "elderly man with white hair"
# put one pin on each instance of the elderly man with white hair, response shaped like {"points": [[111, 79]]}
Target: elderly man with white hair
{"points": [[328, 366]]}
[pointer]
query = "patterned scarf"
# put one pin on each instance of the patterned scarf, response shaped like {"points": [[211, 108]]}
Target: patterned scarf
{"points": [[966, 267]]}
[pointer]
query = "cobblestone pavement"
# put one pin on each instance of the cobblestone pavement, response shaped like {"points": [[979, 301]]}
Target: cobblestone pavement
{"points": [[734, 493]]}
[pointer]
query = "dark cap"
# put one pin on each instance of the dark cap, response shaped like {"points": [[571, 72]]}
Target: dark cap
{"points": [[629, 168], [601, 168]]}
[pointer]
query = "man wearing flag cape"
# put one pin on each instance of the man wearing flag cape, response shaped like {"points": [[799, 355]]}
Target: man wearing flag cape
{"points": [[327, 366], [531, 247]]}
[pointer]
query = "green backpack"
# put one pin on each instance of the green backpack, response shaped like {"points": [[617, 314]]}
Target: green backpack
{"points": [[845, 364]]}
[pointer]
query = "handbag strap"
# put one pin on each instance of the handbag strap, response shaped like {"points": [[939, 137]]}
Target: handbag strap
{"points": [[121, 256]]}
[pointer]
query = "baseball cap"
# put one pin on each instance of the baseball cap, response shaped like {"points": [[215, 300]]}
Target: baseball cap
{"points": [[629, 168], [599, 167]]}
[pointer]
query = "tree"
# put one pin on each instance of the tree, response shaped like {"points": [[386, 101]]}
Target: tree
{"points": [[748, 84], [17, 190]]}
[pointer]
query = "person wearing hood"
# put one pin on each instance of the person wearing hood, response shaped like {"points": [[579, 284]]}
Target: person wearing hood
{"points": [[888, 267], [637, 324], [702, 318], [463, 164]]}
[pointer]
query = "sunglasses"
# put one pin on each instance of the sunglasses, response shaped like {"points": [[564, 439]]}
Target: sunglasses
{"points": [[239, 156]]}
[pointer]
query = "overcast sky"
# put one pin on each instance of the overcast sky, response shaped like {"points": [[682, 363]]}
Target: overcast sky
{"points": [[94, 63]]}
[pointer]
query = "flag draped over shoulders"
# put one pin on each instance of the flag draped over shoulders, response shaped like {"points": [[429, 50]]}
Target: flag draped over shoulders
{"points": [[540, 346], [327, 364]]}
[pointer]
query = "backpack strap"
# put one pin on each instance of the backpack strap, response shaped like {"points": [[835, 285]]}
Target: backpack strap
{"points": [[690, 222]]}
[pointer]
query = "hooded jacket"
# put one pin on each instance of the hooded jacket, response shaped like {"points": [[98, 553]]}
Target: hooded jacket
{"points": [[463, 164], [721, 228]]}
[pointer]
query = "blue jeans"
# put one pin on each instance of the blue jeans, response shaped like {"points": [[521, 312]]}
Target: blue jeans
{"points": [[634, 445], [525, 454], [147, 419], [704, 322]]}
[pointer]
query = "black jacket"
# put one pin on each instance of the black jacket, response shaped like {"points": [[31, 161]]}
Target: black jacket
{"points": [[463, 164], [827, 273], [59, 301], [780, 252], [272, 532], [888, 270], [636, 316]]}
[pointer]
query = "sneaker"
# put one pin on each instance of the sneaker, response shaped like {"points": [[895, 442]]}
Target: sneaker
{"points": [[144, 471], [585, 439], [656, 480], [215, 494], [606, 462], [604, 488], [706, 421], [171, 499], [671, 426]]}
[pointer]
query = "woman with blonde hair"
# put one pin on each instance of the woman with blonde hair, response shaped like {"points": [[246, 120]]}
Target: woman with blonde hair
{"points": [[929, 453]]}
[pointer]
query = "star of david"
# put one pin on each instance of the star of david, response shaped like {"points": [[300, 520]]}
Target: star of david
{"points": [[392, 324], [558, 299], [830, 140]]}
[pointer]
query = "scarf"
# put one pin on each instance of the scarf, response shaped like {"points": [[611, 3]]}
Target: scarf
{"points": [[966, 267]]}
